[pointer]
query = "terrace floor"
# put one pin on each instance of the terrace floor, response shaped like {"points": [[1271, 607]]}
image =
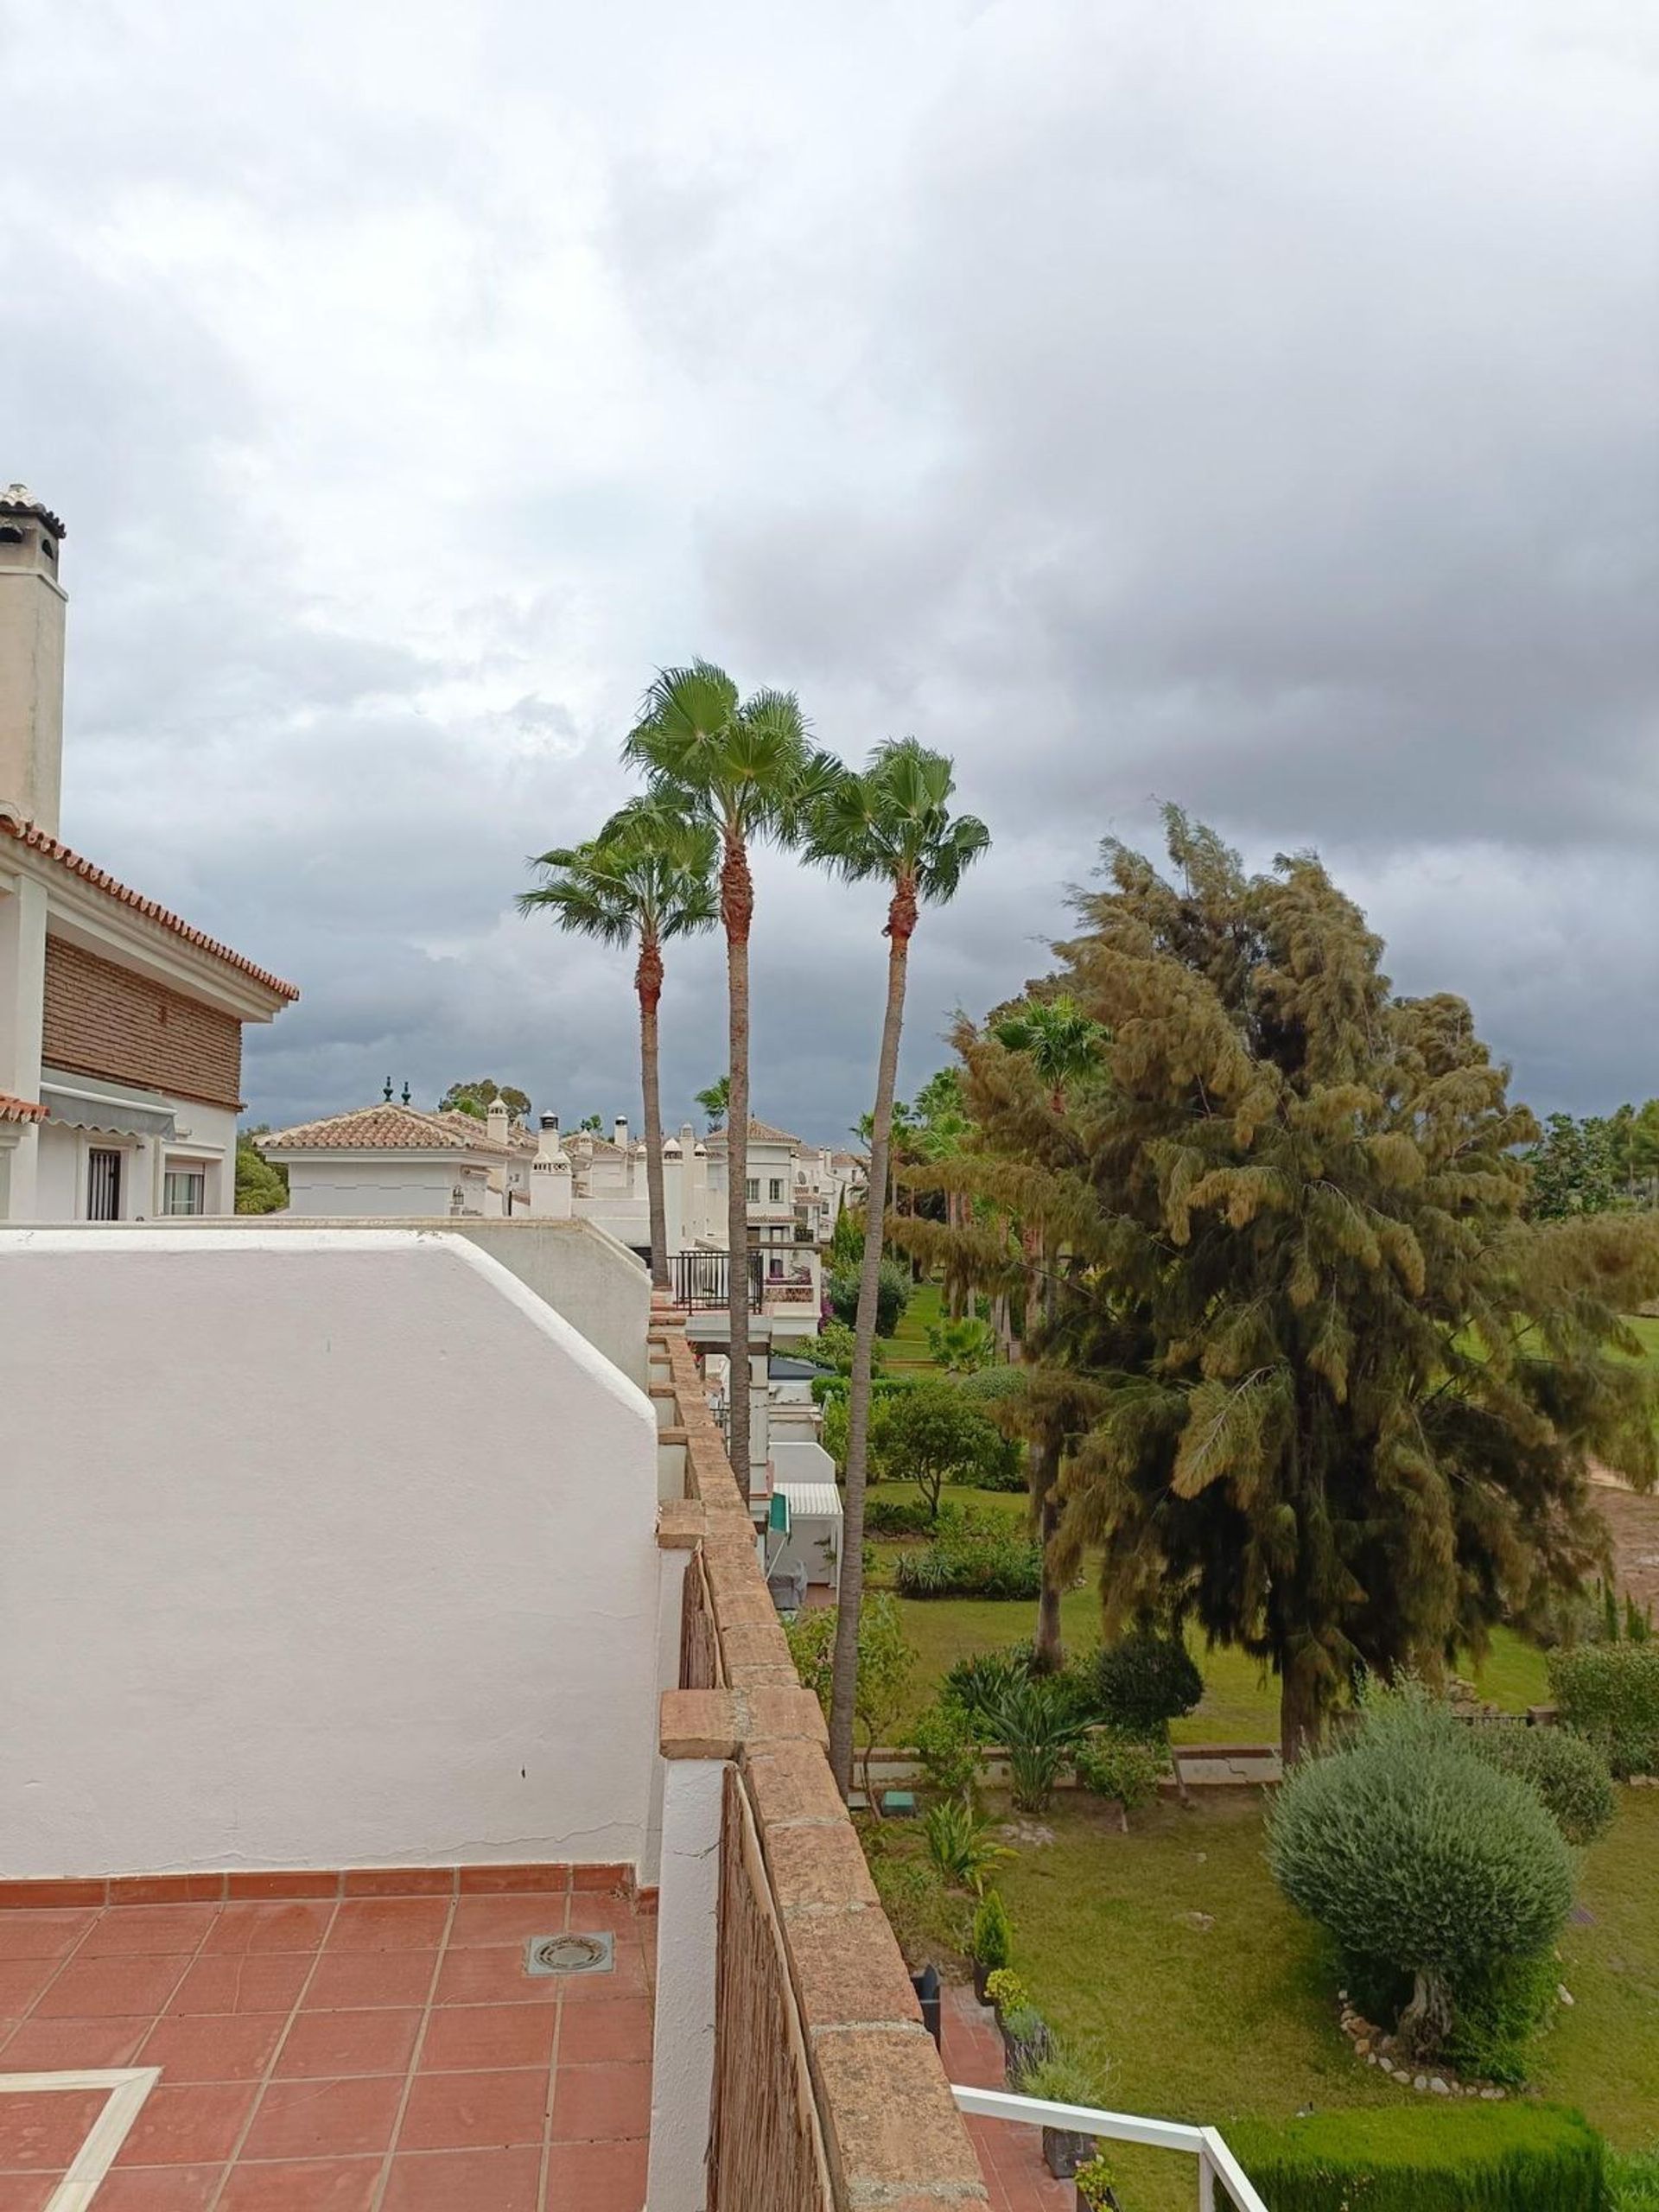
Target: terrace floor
{"points": [[1010, 2157], [359, 2054]]}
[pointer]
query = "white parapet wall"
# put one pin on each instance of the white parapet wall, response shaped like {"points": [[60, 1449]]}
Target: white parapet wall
{"points": [[323, 1548]]}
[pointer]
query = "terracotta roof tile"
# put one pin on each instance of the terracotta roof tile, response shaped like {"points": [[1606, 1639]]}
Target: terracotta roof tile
{"points": [[34, 839], [759, 1133], [386, 1129], [20, 1110], [18, 499]]}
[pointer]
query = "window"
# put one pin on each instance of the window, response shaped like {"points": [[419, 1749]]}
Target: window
{"points": [[751, 1189], [184, 1190], [103, 1184], [776, 1189]]}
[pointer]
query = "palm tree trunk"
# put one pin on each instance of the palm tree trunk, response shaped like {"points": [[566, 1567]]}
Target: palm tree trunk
{"points": [[901, 922], [737, 912], [648, 982]]}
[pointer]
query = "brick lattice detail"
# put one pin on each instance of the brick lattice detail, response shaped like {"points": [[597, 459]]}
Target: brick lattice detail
{"points": [[104, 1020]]}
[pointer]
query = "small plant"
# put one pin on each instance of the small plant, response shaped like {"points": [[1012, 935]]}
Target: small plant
{"points": [[1146, 1680], [960, 1347], [1096, 2185], [1026, 2037], [1006, 1990], [991, 1942], [1001, 1566], [943, 1740], [1038, 1723], [928, 1919], [1633, 2181], [1059, 2076], [980, 1683], [960, 1845], [1121, 1767]]}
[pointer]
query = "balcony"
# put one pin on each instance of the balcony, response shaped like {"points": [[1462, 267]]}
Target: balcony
{"points": [[460, 1590], [702, 1281]]}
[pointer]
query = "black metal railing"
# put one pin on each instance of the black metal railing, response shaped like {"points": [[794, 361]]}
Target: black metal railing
{"points": [[702, 1282]]}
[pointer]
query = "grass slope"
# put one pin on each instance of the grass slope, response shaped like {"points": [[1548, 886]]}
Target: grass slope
{"points": [[1208, 2023]]}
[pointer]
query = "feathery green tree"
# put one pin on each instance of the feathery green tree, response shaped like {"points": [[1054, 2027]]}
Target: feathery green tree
{"points": [[1333, 1398], [715, 1102], [891, 823], [744, 767], [648, 879]]}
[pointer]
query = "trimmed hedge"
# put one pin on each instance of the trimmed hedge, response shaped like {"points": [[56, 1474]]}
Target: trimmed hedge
{"points": [[1467, 2158], [1610, 1694]]}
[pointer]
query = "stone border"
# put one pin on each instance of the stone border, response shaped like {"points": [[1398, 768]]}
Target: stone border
{"points": [[1376, 2048], [891, 2129]]}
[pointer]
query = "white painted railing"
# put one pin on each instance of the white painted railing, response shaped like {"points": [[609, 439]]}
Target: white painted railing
{"points": [[1216, 2162]]}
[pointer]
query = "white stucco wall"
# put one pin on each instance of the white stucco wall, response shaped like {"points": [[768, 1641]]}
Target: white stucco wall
{"points": [[340, 1552], [390, 1187]]}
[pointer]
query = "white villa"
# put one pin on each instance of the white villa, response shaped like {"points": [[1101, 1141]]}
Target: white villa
{"points": [[120, 1025], [397, 1160]]}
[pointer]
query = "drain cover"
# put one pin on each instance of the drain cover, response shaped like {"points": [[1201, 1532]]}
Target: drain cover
{"points": [[569, 1954]]}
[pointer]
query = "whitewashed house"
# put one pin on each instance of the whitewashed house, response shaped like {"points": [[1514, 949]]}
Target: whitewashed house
{"points": [[120, 1025]]}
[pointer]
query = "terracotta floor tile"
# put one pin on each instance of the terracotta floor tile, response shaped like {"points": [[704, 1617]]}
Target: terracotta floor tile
{"points": [[147, 1928], [26, 2192], [626, 1979], [492, 1881], [97, 1989], [213, 2046], [55, 2046], [601, 2103], [43, 2129], [259, 1982], [21, 1981], [158, 2188], [187, 2125], [306, 2185], [294, 1927], [41, 1935], [353, 1978], [468, 2037], [617, 2031], [400, 1882], [596, 2177], [466, 2112], [465, 2181], [389, 1925], [493, 1976], [506, 1920], [619, 1915], [325, 2119], [333, 2045]]}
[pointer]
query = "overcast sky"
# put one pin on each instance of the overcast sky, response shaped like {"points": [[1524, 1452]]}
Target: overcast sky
{"points": [[1255, 406]]}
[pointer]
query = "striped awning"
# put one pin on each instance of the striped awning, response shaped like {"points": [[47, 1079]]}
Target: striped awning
{"points": [[106, 1111]]}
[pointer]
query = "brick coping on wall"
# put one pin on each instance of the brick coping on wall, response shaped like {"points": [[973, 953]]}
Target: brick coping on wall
{"points": [[891, 2128]]}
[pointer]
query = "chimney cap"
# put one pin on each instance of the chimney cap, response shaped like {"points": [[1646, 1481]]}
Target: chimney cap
{"points": [[18, 499], [550, 1121]]}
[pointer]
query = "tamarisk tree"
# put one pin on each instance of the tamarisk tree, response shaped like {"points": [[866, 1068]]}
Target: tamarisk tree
{"points": [[1333, 1398]]}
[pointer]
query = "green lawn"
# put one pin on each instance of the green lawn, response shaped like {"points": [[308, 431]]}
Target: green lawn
{"points": [[1240, 1705], [1210, 2024], [906, 1350]]}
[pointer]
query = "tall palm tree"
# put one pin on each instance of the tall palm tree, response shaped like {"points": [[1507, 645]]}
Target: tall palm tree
{"points": [[646, 878], [744, 768], [892, 822], [1062, 1045]]}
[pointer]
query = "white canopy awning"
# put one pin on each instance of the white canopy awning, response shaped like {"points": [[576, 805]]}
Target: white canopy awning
{"points": [[107, 1110]]}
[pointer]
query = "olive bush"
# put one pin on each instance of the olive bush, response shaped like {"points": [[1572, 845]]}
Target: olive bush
{"points": [[1420, 1859]]}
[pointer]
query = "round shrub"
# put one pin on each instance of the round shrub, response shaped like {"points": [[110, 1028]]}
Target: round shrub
{"points": [[1415, 1856], [1569, 1774], [1610, 1694], [892, 1296], [1125, 1768], [1145, 1681]]}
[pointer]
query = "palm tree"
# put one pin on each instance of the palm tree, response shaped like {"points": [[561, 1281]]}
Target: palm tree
{"points": [[892, 822], [715, 1101], [648, 878], [1061, 1044], [745, 768]]}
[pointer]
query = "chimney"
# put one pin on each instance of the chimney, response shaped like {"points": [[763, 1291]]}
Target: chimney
{"points": [[32, 603], [550, 1122], [620, 1132]]}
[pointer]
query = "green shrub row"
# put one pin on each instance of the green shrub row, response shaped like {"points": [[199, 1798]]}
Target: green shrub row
{"points": [[1470, 2157], [971, 1567], [1609, 1693]]}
